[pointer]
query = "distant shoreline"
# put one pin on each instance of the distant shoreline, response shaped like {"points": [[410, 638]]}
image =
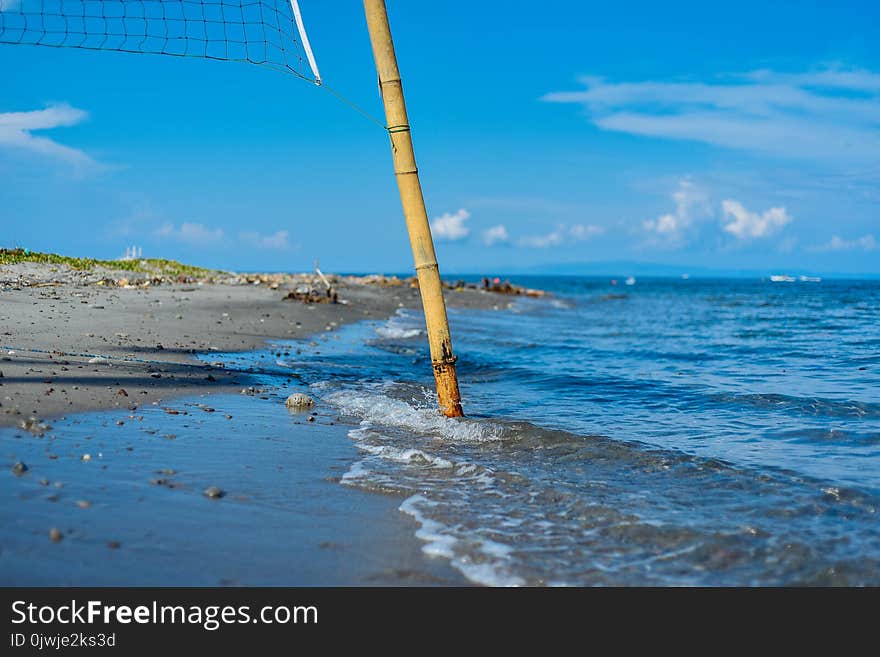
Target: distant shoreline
{"points": [[99, 338]]}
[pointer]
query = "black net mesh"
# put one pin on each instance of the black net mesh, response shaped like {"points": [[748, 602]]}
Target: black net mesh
{"points": [[256, 31]]}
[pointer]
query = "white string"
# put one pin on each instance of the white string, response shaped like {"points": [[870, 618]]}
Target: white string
{"points": [[294, 4]]}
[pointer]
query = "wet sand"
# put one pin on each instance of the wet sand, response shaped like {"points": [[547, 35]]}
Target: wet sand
{"points": [[121, 430], [126, 494]]}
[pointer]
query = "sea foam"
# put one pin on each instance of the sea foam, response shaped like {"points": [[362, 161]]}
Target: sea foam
{"points": [[488, 568], [377, 409]]}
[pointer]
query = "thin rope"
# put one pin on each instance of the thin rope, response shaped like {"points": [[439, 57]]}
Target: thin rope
{"points": [[357, 108]]}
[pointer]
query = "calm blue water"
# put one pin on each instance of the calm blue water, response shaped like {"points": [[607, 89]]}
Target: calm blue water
{"points": [[669, 432]]}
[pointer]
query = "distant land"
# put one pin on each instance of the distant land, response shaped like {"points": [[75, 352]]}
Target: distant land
{"points": [[623, 268]]}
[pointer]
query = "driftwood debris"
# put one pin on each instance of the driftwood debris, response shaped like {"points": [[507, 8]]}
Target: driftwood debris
{"points": [[309, 294], [489, 285], [506, 287]]}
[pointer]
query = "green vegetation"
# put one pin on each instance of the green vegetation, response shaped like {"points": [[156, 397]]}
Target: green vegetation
{"points": [[154, 266]]}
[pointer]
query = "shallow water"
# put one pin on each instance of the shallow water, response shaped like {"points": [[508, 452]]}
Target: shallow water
{"points": [[669, 432]]}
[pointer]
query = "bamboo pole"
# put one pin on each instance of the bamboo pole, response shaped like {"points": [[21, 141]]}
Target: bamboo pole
{"points": [[442, 358]]}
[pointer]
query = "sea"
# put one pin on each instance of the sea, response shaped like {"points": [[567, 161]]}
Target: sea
{"points": [[625, 432]]}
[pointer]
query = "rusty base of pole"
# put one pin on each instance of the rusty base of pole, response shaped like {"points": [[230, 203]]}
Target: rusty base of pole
{"points": [[447, 388]]}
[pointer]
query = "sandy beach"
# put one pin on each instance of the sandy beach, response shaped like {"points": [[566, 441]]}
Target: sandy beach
{"points": [[70, 344], [114, 431]]}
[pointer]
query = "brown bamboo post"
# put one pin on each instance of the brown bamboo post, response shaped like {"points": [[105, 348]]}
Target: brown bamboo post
{"points": [[442, 358]]}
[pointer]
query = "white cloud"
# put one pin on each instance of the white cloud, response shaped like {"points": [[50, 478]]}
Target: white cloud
{"points": [[561, 235], [581, 232], [863, 243], [278, 240], [743, 224], [192, 233], [828, 115], [667, 224], [691, 204], [16, 132], [496, 235], [554, 238], [450, 226]]}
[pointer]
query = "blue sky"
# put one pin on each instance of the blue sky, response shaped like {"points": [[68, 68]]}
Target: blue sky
{"points": [[550, 133]]}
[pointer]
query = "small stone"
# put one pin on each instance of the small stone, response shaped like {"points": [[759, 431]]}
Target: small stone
{"points": [[299, 401], [55, 535], [86, 457], [19, 469], [214, 493], [83, 504], [311, 418], [34, 425]]}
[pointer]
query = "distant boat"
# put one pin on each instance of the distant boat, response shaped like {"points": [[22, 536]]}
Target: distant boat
{"points": [[782, 278], [810, 279], [630, 281]]}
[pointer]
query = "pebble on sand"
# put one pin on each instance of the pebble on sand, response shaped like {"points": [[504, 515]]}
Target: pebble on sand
{"points": [[19, 469], [214, 492], [299, 401]]}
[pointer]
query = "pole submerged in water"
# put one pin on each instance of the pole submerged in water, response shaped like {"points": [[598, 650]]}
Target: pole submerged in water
{"points": [[442, 358]]}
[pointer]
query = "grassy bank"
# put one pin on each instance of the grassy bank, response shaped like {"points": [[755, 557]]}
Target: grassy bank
{"points": [[155, 266]]}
